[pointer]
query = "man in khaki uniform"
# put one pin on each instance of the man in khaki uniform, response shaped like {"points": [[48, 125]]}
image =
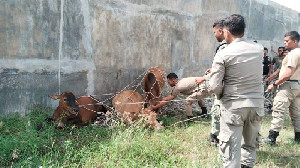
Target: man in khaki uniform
{"points": [[288, 95], [240, 90], [215, 110], [186, 86]]}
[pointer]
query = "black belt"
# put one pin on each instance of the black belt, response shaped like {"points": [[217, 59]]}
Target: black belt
{"points": [[293, 80]]}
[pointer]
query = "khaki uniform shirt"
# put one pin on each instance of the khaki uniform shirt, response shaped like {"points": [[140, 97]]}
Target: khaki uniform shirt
{"points": [[185, 86], [221, 46], [292, 60], [239, 65]]}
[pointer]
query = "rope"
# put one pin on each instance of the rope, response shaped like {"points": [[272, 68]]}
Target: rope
{"points": [[181, 100], [182, 121]]}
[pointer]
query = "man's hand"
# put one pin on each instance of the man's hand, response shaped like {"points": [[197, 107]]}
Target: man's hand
{"points": [[270, 87], [199, 80], [266, 80], [207, 71]]}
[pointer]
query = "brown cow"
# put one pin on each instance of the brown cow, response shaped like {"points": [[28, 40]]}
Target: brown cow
{"points": [[153, 83], [78, 111], [129, 107]]}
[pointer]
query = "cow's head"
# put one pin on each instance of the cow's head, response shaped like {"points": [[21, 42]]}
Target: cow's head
{"points": [[151, 86], [153, 83], [67, 108]]}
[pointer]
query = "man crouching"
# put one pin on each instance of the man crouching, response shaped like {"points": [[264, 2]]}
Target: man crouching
{"points": [[186, 86]]}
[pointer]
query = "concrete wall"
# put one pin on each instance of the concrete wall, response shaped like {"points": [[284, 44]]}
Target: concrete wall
{"points": [[100, 46]]}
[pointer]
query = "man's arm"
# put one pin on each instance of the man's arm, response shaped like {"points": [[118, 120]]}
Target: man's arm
{"points": [[272, 76], [200, 80], [271, 66], [216, 76], [165, 101], [272, 49], [289, 71], [206, 77]]}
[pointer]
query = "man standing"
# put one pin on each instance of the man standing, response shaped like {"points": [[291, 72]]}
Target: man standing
{"points": [[288, 84], [276, 61], [186, 86], [240, 90], [266, 62], [277, 66], [215, 110]]}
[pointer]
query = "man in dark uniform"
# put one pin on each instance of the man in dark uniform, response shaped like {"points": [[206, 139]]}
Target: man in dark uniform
{"points": [[266, 62]]}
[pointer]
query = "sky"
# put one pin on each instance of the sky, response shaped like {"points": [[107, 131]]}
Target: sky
{"points": [[293, 4]]}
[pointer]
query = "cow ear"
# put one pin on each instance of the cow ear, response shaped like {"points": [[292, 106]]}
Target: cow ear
{"points": [[55, 97]]}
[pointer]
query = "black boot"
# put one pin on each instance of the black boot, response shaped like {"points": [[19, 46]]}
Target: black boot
{"points": [[214, 139], [211, 138], [244, 166], [297, 136], [271, 139]]}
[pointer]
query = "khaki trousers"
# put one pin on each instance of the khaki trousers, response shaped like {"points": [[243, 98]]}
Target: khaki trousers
{"points": [[202, 92], [239, 133], [286, 100]]}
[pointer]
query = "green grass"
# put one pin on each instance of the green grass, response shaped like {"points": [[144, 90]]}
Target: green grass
{"points": [[179, 145]]}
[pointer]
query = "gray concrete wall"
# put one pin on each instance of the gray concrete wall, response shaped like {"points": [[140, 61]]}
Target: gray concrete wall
{"points": [[103, 45]]}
